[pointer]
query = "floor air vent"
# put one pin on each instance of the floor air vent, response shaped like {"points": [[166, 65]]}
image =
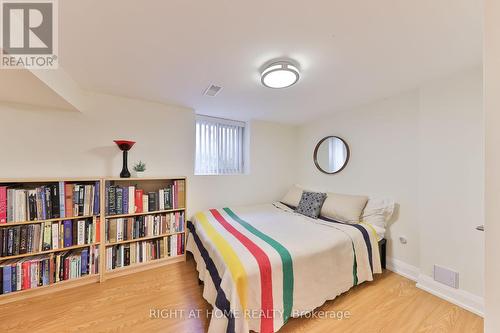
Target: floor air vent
{"points": [[446, 276]]}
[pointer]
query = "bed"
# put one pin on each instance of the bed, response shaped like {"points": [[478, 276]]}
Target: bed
{"points": [[261, 265]]}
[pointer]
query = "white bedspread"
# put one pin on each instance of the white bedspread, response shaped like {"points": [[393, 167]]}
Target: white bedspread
{"points": [[263, 264]]}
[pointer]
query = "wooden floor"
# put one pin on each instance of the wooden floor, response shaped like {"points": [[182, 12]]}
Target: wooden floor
{"points": [[389, 304]]}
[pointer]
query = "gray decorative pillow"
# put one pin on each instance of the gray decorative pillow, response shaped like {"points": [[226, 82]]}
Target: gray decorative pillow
{"points": [[310, 204]]}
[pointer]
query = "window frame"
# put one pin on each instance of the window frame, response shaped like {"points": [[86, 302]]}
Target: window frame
{"points": [[243, 146]]}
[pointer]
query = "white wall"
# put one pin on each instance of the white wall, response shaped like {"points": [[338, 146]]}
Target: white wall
{"points": [[43, 143], [451, 177], [492, 202], [383, 141], [424, 148]]}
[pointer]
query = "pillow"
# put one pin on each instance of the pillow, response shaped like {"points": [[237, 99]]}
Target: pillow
{"points": [[310, 204], [343, 207], [378, 211], [293, 196]]}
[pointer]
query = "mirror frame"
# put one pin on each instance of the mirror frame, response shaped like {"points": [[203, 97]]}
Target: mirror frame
{"points": [[315, 159]]}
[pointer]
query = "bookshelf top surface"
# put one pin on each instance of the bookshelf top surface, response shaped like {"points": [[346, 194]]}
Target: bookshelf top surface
{"points": [[144, 178], [47, 180], [80, 179]]}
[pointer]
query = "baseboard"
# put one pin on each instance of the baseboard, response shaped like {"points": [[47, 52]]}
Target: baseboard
{"points": [[462, 298], [399, 267]]}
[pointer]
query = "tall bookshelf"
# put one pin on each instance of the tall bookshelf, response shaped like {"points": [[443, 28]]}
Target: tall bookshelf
{"points": [[140, 238], [46, 232]]}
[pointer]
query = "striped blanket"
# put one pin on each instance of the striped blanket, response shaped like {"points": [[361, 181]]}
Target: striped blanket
{"points": [[263, 264]]}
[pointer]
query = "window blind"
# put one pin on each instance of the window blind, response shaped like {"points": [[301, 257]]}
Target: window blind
{"points": [[219, 146]]}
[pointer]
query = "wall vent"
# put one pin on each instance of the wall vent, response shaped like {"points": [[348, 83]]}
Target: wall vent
{"points": [[212, 90], [446, 276]]}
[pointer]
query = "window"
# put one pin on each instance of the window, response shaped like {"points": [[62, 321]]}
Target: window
{"points": [[219, 146]]}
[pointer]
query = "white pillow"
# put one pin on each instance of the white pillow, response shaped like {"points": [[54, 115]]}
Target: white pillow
{"points": [[378, 211], [293, 196], [343, 207]]}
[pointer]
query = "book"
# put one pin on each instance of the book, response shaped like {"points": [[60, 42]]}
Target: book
{"points": [[119, 200], [37, 238], [3, 204], [17, 240], [181, 184], [145, 203], [87, 189], [68, 233], [168, 197], [119, 230], [55, 236], [131, 199], [130, 228], [11, 204], [139, 200], [55, 198], [32, 205], [97, 203], [68, 199], [81, 200], [98, 230], [7, 278], [84, 264], [126, 259], [10, 242], [25, 269], [174, 194], [161, 200], [62, 200], [153, 201], [125, 201], [80, 239], [112, 225], [23, 246], [112, 200], [47, 236], [39, 203]]}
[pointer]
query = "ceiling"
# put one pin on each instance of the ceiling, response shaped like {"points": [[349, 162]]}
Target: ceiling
{"points": [[23, 87], [350, 52]]}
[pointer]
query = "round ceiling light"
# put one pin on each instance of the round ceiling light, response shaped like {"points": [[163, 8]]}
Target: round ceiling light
{"points": [[280, 75]]}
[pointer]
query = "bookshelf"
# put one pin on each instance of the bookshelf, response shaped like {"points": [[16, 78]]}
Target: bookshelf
{"points": [[49, 235], [147, 233], [96, 241]]}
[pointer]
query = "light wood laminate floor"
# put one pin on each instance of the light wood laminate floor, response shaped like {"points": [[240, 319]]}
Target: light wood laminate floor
{"points": [[389, 304]]}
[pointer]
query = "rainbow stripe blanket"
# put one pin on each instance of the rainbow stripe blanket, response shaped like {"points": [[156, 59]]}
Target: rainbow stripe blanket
{"points": [[262, 265]]}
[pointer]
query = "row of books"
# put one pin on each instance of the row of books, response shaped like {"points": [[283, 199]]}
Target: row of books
{"points": [[43, 270], [33, 238], [134, 253], [50, 201], [129, 199], [121, 229]]}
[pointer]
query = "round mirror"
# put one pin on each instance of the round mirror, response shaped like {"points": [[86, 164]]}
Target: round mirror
{"points": [[331, 155]]}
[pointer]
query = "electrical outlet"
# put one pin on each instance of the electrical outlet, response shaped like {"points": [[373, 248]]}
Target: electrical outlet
{"points": [[446, 276]]}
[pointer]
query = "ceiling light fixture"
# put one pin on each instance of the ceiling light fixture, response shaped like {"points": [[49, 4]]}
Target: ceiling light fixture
{"points": [[281, 74]]}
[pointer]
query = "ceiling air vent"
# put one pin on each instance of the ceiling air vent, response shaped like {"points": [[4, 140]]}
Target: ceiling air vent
{"points": [[212, 90]]}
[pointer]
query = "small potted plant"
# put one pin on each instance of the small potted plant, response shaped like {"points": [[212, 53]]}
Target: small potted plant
{"points": [[139, 169]]}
